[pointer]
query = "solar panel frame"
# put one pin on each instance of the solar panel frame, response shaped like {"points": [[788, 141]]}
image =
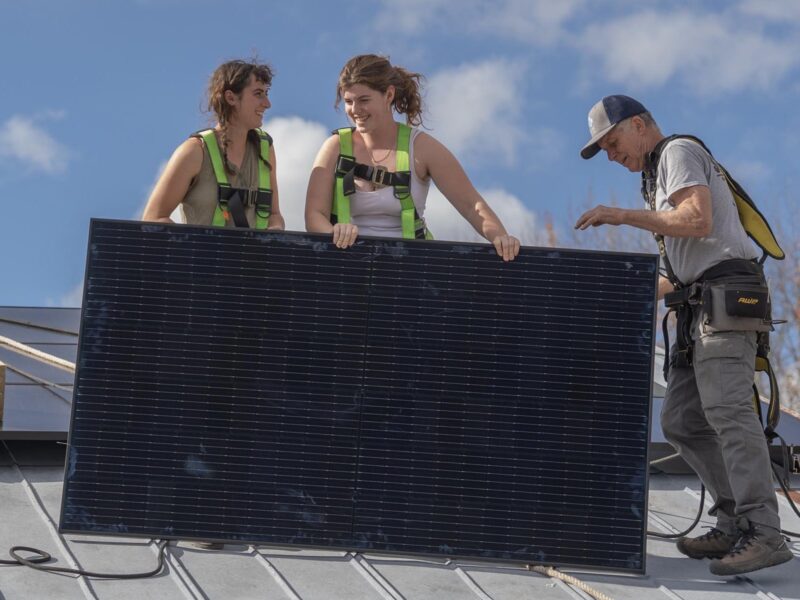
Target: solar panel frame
{"points": [[389, 263]]}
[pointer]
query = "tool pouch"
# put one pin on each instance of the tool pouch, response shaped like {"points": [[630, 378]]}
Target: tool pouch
{"points": [[735, 305]]}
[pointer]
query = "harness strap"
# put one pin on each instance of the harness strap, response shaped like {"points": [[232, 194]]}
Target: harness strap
{"points": [[649, 194], [264, 197], [684, 301], [753, 222], [231, 201], [347, 169], [345, 178]]}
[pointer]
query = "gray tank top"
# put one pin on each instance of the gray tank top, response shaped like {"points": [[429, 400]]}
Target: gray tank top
{"points": [[200, 202]]}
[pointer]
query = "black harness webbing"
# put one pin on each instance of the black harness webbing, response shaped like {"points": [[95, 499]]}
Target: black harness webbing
{"points": [[686, 298], [351, 169]]}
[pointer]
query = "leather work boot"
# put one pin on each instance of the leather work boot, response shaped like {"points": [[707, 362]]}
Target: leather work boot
{"points": [[758, 548], [712, 544]]}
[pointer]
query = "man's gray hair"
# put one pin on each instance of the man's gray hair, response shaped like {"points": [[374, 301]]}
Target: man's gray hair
{"points": [[648, 119]]}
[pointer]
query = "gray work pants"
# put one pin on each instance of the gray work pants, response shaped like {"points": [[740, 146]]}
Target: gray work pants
{"points": [[708, 417]]}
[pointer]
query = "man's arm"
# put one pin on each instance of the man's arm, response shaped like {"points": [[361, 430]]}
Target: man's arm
{"points": [[691, 217]]}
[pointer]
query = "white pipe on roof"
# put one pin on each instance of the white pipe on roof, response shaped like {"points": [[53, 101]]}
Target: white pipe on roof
{"points": [[2, 389], [37, 354]]}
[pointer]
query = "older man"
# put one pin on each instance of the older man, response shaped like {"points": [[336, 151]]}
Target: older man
{"points": [[708, 415]]}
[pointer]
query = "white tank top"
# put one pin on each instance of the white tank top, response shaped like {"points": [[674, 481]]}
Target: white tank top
{"points": [[378, 213]]}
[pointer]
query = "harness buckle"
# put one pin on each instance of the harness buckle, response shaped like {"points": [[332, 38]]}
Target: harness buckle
{"points": [[377, 176], [345, 164], [263, 203]]}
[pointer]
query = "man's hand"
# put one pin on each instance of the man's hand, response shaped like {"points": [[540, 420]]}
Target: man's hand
{"points": [[600, 215]]}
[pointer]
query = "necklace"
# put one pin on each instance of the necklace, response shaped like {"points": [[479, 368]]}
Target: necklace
{"points": [[375, 161]]}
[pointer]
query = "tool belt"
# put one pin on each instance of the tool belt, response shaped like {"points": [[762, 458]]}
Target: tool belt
{"points": [[730, 296]]}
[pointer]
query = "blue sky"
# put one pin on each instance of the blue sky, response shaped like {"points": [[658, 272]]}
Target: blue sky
{"points": [[96, 95]]}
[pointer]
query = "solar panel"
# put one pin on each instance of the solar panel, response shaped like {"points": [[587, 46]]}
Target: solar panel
{"points": [[414, 397]]}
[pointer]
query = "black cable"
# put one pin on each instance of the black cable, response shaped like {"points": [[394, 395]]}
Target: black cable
{"points": [[42, 557], [784, 487], [786, 490], [670, 536]]}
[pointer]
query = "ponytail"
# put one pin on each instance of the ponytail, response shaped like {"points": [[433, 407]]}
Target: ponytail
{"points": [[407, 98]]}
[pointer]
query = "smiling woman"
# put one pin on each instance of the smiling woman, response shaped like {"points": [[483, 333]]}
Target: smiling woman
{"points": [[225, 176], [384, 168]]}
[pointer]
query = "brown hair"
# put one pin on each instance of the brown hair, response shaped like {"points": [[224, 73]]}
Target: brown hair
{"points": [[378, 73], [234, 75]]}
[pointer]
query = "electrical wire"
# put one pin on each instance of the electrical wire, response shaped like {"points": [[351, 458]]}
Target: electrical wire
{"points": [[786, 490], [40, 557], [669, 536]]}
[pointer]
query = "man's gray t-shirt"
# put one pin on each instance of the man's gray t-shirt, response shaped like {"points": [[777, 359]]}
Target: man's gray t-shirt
{"points": [[684, 164]]}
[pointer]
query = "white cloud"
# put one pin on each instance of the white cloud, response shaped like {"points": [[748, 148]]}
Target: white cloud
{"points": [[72, 298], [713, 54], [536, 22], [779, 11], [296, 144], [750, 171], [22, 140], [446, 223], [752, 44], [176, 215], [474, 109]]}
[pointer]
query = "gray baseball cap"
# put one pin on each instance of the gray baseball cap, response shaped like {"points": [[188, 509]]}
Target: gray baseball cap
{"points": [[605, 115]]}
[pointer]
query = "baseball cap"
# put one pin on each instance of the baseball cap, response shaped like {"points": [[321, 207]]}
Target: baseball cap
{"points": [[605, 115]]}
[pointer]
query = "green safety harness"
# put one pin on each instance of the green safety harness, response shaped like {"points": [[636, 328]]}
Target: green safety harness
{"points": [[231, 200], [347, 169], [687, 297]]}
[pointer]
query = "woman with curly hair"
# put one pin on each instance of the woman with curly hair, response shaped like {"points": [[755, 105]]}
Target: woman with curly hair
{"points": [[373, 178], [225, 176]]}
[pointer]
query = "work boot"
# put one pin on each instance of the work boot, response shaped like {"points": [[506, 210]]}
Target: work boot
{"points": [[712, 544], [758, 548]]}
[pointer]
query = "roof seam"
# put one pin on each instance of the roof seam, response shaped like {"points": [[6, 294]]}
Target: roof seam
{"points": [[69, 557], [180, 575], [276, 575], [374, 578], [35, 326], [471, 583]]}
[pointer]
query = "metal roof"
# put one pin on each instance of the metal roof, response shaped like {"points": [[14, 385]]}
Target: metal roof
{"points": [[30, 494], [30, 497]]}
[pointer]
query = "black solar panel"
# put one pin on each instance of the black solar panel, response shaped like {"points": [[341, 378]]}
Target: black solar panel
{"points": [[420, 397]]}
